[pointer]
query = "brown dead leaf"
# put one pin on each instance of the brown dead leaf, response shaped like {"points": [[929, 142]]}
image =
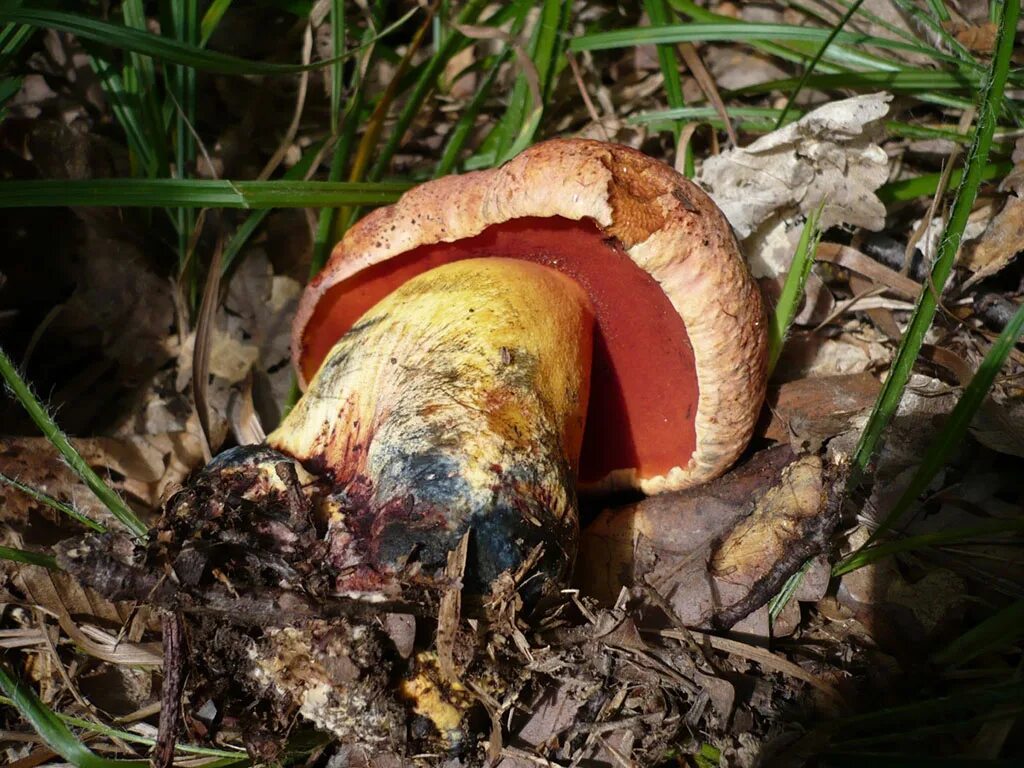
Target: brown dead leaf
{"points": [[879, 274], [623, 543], [1000, 243], [999, 425], [554, 714], [977, 38], [141, 467], [668, 541], [899, 614], [812, 410]]}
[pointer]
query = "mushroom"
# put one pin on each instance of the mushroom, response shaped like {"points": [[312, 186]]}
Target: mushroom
{"points": [[447, 350], [679, 360]]}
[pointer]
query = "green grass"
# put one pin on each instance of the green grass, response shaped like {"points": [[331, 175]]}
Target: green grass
{"points": [[195, 193], [967, 190], [426, 81], [183, 52], [17, 386], [56, 733], [53, 730], [52, 503], [926, 541], [29, 558], [660, 14], [793, 289], [791, 100], [134, 738], [925, 185], [1002, 629], [955, 430], [907, 724]]}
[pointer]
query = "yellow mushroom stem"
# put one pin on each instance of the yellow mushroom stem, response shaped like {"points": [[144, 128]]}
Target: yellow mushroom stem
{"points": [[455, 404]]}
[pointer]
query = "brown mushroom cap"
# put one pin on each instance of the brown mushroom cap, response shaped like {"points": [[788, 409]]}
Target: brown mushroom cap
{"points": [[679, 369]]}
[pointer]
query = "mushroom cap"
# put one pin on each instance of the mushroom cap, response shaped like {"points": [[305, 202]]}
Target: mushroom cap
{"points": [[620, 202]]}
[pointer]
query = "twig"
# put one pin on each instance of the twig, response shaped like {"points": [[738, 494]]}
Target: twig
{"points": [[170, 693]]}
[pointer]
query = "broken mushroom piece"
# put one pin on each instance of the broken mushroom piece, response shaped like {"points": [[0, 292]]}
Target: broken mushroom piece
{"points": [[455, 404], [679, 361]]}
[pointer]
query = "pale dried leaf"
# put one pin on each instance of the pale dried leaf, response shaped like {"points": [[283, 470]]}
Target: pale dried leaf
{"points": [[92, 621], [826, 155]]}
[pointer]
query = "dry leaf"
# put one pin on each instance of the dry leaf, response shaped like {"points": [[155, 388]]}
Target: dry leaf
{"points": [[858, 348], [901, 615], [1001, 241], [142, 467], [999, 425], [667, 541], [812, 410], [826, 155], [978, 38], [93, 622]]}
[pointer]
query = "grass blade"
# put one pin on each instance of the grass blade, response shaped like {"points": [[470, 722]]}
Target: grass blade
{"points": [[460, 133], [337, 14], [902, 80], [763, 119], [814, 62], [29, 558], [124, 105], [140, 81], [955, 430], [926, 184], [424, 84], [750, 32], [181, 91], [9, 87], [12, 38], [52, 432], [53, 730], [777, 603], [136, 41], [964, 705], [195, 193], [668, 59], [793, 289], [1001, 630], [134, 738], [522, 118], [247, 227], [52, 503], [910, 345], [867, 555], [214, 13]]}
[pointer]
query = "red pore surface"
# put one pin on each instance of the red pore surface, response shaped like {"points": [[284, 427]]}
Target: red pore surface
{"points": [[643, 392]]}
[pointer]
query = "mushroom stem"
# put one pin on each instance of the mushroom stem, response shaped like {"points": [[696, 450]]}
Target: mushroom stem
{"points": [[455, 404]]}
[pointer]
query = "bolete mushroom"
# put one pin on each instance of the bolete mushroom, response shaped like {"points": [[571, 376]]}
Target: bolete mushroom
{"points": [[447, 347], [680, 345]]}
